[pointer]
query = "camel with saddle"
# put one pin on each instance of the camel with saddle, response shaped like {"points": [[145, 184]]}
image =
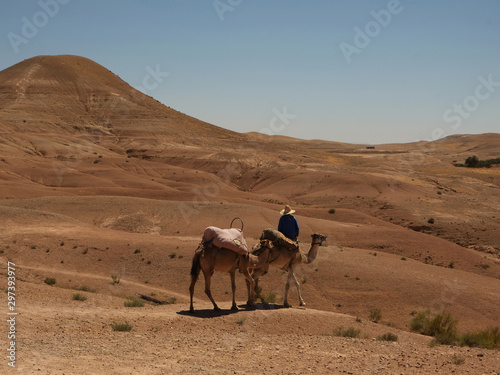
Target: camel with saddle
{"points": [[284, 254], [225, 250]]}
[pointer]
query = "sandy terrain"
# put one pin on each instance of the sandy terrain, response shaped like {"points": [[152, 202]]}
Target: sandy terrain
{"points": [[100, 184]]}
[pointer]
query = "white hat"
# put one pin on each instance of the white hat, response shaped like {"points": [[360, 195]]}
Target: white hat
{"points": [[287, 210]]}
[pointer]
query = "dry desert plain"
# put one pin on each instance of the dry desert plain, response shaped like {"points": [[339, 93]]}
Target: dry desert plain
{"points": [[106, 192]]}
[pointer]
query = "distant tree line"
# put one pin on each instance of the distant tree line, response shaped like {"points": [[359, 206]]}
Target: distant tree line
{"points": [[474, 162]]}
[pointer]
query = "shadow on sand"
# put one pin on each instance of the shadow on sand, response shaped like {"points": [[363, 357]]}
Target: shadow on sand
{"points": [[211, 313]]}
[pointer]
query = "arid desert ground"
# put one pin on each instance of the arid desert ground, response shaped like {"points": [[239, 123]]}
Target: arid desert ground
{"points": [[105, 194]]}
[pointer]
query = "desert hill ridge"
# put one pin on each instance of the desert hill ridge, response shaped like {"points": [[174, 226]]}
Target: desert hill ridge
{"points": [[100, 180], [78, 95]]}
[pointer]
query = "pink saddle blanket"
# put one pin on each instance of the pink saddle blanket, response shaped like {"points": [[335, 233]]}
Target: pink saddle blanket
{"points": [[231, 239]]}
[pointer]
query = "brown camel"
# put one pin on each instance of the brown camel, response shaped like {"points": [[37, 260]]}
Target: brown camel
{"points": [[211, 258], [286, 259]]}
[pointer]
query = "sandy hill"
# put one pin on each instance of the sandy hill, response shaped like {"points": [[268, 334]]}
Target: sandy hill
{"points": [[100, 182]]}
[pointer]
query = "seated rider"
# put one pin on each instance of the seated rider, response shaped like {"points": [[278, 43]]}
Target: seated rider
{"points": [[288, 224]]}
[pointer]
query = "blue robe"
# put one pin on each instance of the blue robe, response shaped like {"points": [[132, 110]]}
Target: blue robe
{"points": [[289, 227]]}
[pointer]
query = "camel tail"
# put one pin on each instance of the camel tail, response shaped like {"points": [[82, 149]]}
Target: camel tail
{"points": [[196, 266]]}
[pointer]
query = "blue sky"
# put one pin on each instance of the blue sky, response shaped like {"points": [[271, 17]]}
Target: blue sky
{"points": [[358, 71]]}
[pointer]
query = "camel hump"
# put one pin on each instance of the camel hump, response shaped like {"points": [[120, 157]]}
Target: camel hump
{"points": [[231, 239], [278, 238]]}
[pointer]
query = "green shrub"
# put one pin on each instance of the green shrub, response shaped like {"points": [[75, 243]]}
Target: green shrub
{"points": [[49, 281], [78, 297], [349, 332], [443, 327], [331, 211], [474, 162], [375, 315], [431, 220], [486, 339], [240, 321], [121, 327], [133, 302], [456, 360], [271, 297], [388, 337], [85, 288]]}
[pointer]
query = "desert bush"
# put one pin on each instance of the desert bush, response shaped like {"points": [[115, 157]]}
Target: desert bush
{"points": [[116, 279], [431, 220], [387, 337], [331, 211], [474, 162], [349, 332], [457, 360], [271, 297], [375, 315], [49, 281], [133, 302], [486, 339], [172, 255], [443, 327], [172, 301], [121, 327], [85, 288], [240, 321], [78, 297]]}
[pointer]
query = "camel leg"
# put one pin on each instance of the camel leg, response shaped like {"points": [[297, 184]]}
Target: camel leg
{"points": [[208, 277], [233, 288], [291, 276], [191, 293], [250, 288], [287, 286], [255, 277], [297, 284]]}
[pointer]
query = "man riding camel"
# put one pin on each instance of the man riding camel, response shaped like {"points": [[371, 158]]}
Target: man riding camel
{"points": [[288, 224]]}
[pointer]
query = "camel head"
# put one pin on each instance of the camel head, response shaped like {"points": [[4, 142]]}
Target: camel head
{"points": [[261, 246], [318, 239]]}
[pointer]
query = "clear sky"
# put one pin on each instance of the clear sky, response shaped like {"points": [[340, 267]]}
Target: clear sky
{"points": [[358, 71]]}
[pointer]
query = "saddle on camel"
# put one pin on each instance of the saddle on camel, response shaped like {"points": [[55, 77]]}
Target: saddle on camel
{"points": [[223, 250], [279, 239], [231, 239]]}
